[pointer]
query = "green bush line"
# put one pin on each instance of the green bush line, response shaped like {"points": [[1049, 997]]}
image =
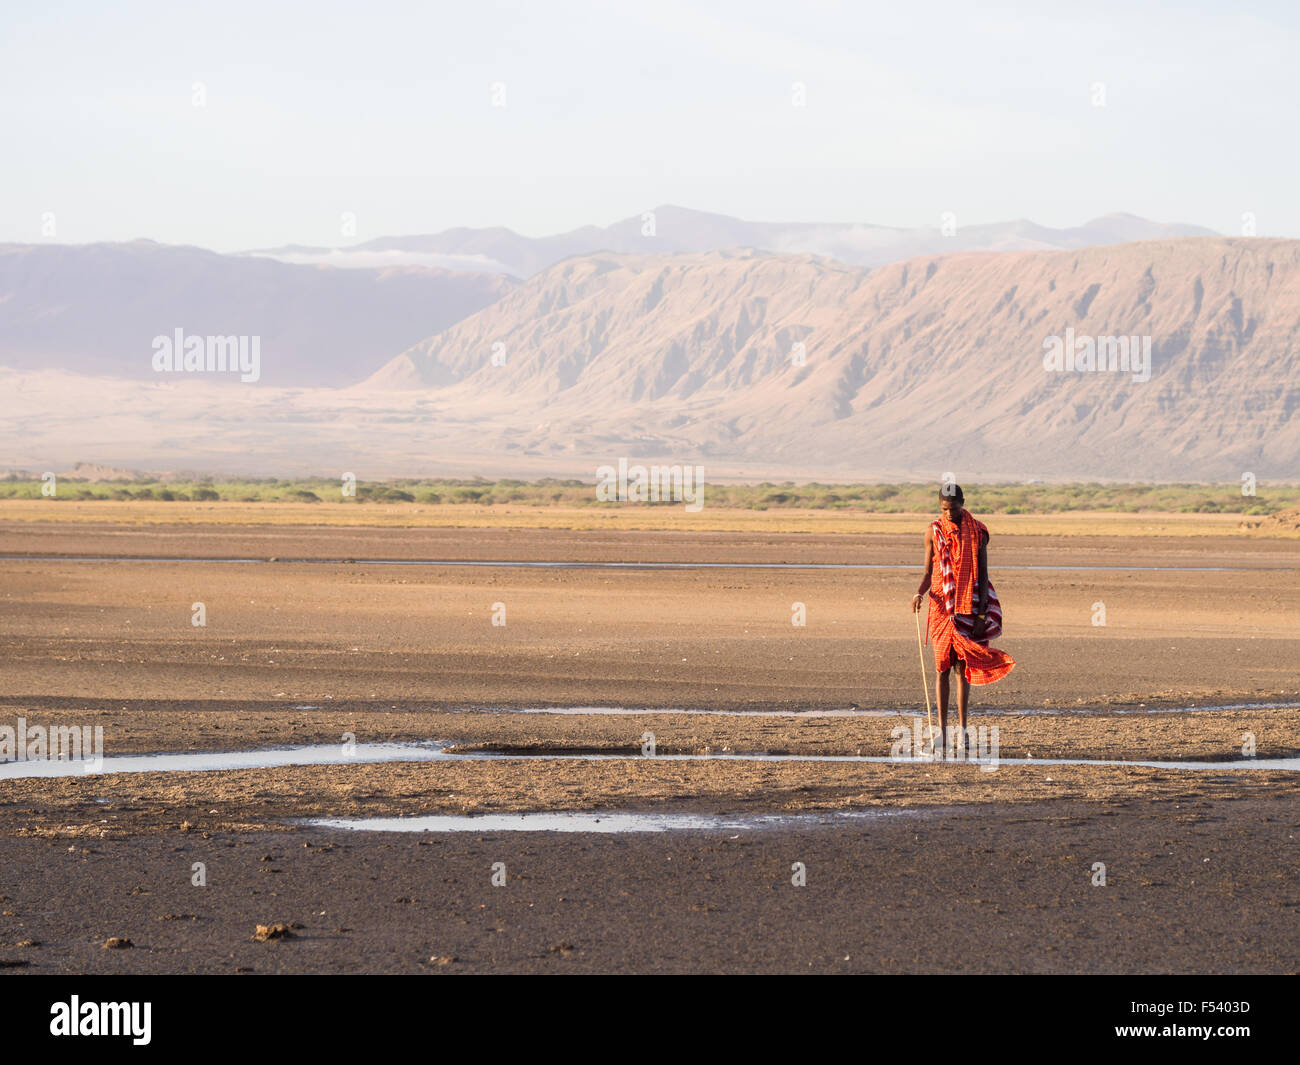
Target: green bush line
{"points": [[1004, 498]]}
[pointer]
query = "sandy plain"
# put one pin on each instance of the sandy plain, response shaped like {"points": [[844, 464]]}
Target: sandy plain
{"points": [[96, 629]]}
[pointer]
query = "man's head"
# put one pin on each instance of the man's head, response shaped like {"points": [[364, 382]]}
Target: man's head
{"points": [[951, 501]]}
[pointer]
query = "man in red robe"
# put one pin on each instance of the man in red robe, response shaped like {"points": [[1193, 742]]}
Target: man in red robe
{"points": [[964, 610]]}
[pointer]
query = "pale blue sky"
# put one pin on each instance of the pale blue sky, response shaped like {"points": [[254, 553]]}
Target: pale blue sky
{"points": [[384, 109]]}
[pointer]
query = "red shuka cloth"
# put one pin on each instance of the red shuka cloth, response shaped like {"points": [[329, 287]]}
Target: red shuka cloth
{"points": [[954, 574]]}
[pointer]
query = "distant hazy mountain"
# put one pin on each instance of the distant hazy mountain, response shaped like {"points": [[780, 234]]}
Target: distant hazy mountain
{"points": [[930, 365], [96, 308], [678, 229], [934, 363]]}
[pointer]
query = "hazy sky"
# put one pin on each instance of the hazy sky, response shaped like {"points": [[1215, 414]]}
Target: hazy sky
{"points": [[385, 110]]}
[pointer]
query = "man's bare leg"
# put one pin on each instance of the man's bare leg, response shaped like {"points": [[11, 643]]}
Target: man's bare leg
{"points": [[943, 713], [963, 695], [963, 702]]}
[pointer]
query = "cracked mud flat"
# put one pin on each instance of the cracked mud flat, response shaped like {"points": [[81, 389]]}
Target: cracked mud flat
{"points": [[1198, 878]]}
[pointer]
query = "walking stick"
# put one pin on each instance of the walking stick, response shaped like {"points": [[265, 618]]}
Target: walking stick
{"points": [[920, 649]]}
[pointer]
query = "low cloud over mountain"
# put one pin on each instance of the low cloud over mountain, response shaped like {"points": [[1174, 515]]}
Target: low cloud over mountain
{"points": [[678, 229]]}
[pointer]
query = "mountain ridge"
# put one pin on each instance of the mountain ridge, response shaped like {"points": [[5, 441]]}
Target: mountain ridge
{"points": [[596, 343], [95, 308]]}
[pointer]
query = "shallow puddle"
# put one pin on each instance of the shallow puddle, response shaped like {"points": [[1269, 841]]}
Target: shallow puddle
{"points": [[614, 711], [1290, 764], [604, 822], [215, 761], [364, 753]]}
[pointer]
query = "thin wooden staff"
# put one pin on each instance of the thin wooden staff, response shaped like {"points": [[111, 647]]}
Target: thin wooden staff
{"points": [[924, 683]]}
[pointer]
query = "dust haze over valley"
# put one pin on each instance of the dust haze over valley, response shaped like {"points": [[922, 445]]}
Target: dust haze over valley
{"points": [[752, 361]]}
